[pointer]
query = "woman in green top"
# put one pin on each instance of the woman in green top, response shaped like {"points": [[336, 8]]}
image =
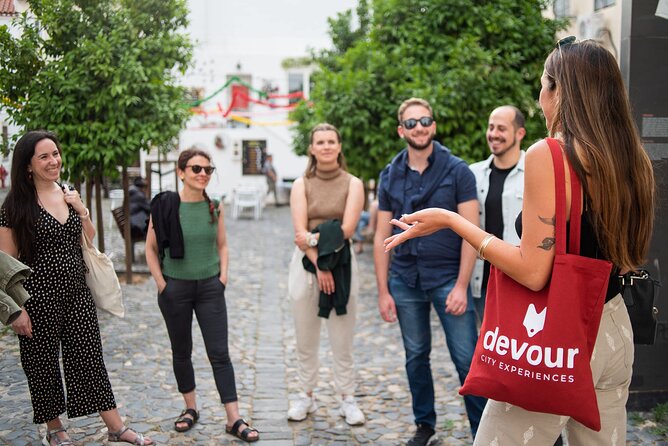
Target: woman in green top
{"points": [[186, 251]]}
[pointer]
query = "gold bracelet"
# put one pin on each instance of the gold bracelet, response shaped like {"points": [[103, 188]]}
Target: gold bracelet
{"points": [[483, 246], [85, 214]]}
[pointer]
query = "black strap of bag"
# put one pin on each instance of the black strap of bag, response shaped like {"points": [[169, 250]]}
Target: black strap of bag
{"points": [[639, 291]]}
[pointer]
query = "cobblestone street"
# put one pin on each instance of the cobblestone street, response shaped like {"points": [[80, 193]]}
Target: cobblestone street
{"points": [[262, 347]]}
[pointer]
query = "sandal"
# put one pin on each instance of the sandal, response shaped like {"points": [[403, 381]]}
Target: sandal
{"points": [[244, 434], [187, 420], [53, 435], [138, 441]]}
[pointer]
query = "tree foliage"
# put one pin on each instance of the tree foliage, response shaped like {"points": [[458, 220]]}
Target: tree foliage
{"points": [[464, 56], [101, 74]]}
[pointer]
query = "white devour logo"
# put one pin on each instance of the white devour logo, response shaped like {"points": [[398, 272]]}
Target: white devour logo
{"points": [[517, 349], [534, 321]]}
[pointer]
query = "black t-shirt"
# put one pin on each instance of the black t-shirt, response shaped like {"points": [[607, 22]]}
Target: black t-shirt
{"points": [[494, 209]]}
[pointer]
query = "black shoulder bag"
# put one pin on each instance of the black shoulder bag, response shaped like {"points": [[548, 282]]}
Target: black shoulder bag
{"points": [[639, 291]]}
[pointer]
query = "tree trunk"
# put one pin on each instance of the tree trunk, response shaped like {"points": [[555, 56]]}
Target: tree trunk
{"points": [[98, 211], [89, 193], [127, 235]]}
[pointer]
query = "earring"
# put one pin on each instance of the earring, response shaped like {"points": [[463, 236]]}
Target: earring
{"points": [[183, 178]]}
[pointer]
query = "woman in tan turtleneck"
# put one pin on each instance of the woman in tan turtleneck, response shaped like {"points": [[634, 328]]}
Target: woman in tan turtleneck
{"points": [[326, 192]]}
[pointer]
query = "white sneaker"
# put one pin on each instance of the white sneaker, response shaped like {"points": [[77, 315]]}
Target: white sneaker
{"points": [[300, 408], [351, 412]]}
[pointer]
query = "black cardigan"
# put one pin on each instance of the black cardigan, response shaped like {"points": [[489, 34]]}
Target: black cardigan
{"points": [[167, 225]]}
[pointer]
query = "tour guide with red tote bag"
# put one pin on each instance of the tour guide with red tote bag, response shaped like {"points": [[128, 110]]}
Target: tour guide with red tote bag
{"points": [[535, 347]]}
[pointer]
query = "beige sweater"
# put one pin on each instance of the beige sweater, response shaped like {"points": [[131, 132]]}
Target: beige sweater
{"points": [[326, 195]]}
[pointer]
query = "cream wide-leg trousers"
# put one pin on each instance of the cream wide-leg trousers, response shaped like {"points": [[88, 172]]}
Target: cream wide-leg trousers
{"points": [[304, 294]]}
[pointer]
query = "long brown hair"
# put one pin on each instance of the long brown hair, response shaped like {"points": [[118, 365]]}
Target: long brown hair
{"points": [[312, 162], [182, 162], [593, 117]]}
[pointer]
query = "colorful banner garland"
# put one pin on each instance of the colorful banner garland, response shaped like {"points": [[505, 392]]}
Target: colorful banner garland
{"points": [[262, 94], [239, 97], [243, 97], [249, 121], [233, 79]]}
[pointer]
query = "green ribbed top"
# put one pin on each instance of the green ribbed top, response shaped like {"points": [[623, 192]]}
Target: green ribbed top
{"points": [[199, 238]]}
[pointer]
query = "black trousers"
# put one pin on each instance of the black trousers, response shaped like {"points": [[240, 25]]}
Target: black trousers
{"points": [[207, 299]]}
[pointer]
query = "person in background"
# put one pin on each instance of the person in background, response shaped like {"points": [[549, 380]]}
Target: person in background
{"points": [[270, 172], [366, 226], [325, 205], [500, 186], [3, 176], [140, 208], [587, 110], [187, 254], [431, 273], [41, 223]]}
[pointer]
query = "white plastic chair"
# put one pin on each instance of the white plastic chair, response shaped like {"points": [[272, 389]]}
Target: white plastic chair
{"points": [[247, 197]]}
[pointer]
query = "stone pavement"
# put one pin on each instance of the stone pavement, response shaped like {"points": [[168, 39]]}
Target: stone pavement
{"points": [[262, 347]]}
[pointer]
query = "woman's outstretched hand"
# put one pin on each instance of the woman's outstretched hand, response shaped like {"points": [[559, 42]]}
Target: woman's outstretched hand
{"points": [[417, 224]]}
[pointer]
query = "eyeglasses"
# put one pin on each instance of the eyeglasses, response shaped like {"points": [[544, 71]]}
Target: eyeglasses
{"points": [[565, 42], [424, 121], [197, 168]]}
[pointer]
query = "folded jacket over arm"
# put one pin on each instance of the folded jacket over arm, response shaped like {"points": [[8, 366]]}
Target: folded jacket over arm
{"points": [[12, 293], [334, 256]]}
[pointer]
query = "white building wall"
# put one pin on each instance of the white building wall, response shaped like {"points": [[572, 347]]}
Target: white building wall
{"points": [[603, 25], [229, 160]]}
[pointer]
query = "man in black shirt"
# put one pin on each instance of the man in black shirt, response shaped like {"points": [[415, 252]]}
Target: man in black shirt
{"points": [[500, 187]]}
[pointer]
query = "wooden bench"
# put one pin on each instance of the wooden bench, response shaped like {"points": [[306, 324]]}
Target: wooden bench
{"points": [[119, 217]]}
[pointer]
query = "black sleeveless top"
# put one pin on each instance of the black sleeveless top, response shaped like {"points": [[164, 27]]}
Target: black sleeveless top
{"points": [[589, 247]]}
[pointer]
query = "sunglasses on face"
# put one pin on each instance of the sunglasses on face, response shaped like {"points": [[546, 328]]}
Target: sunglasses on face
{"points": [[424, 121], [197, 168]]}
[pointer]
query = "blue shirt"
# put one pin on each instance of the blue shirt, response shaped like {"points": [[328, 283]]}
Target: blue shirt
{"points": [[431, 261]]}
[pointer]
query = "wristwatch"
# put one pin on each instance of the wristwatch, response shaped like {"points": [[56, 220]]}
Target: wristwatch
{"points": [[312, 240]]}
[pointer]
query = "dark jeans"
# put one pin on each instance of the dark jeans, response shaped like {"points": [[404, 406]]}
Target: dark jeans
{"points": [[207, 298], [413, 311]]}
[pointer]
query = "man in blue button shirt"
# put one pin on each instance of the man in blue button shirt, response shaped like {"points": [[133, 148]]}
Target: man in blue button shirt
{"points": [[426, 271]]}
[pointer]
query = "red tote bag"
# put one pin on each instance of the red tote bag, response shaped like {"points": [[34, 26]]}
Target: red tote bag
{"points": [[535, 347]]}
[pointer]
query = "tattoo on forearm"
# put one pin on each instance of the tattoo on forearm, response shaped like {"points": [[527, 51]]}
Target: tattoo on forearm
{"points": [[548, 221], [548, 243]]}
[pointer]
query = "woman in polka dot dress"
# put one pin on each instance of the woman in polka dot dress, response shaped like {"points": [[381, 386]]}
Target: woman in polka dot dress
{"points": [[41, 224]]}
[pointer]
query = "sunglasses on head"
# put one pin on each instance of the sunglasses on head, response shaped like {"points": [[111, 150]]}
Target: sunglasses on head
{"points": [[197, 168], [565, 42], [424, 121]]}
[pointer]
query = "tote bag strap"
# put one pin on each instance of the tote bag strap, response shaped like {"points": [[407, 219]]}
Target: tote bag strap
{"points": [[560, 202]]}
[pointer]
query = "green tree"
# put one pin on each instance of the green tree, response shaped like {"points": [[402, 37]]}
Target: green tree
{"points": [[464, 56], [101, 74]]}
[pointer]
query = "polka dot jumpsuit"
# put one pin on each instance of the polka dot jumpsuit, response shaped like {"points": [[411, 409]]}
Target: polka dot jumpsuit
{"points": [[64, 318]]}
